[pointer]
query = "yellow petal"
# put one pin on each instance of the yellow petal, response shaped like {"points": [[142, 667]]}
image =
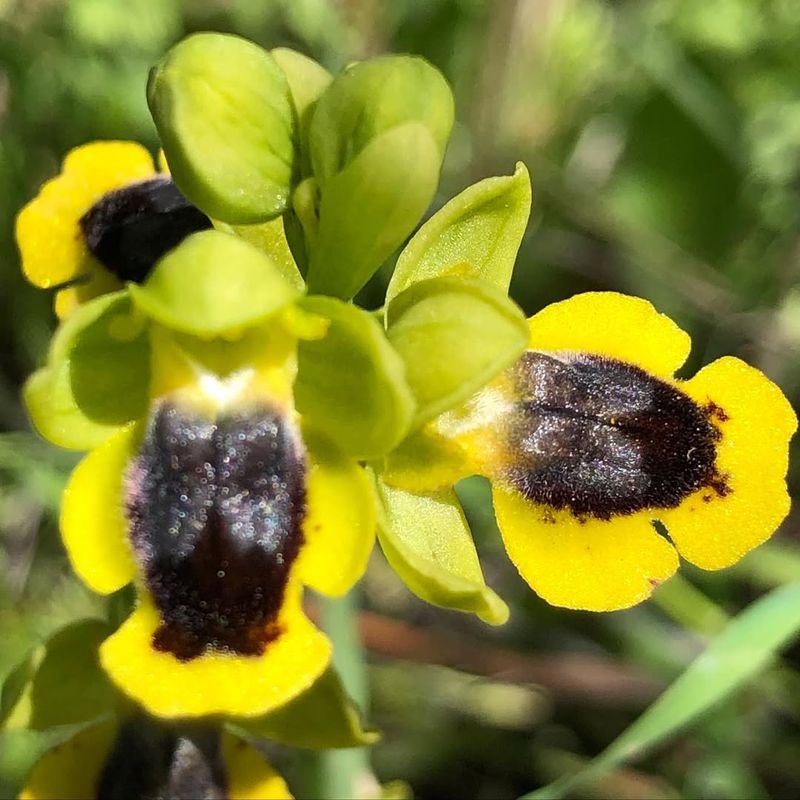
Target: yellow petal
{"points": [[48, 228], [215, 683], [756, 423], [614, 325], [339, 527], [102, 282], [72, 770], [249, 776], [93, 524], [594, 564]]}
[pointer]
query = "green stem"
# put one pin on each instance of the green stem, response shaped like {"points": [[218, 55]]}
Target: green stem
{"points": [[345, 773], [689, 607]]}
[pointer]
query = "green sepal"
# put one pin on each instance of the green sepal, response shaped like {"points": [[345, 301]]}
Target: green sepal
{"points": [[224, 114], [370, 98], [368, 208], [213, 284], [350, 383], [426, 539], [454, 335], [270, 238], [307, 81], [478, 232], [323, 717], [97, 377]]}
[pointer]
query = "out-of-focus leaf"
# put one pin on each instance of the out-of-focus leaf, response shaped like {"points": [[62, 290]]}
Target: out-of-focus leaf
{"points": [[479, 232], [454, 335], [350, 383], [323, 717], [224, 113], [746, 645], [426, 539], [213, 283]]}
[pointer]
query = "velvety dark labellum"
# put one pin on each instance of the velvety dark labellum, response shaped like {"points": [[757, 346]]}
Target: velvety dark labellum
{"points": [[601, 437], [215, 509], [131, 228]]}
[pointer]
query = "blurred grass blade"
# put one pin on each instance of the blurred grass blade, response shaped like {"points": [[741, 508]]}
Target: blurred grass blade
{"points": [[735, 656]]}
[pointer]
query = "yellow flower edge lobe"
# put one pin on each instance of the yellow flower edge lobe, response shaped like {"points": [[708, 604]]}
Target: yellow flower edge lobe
{"points": [[215, 683], [339, 527], [48, 228], [756, 423], [613, 325], [588, 564], [93, 526], [249, 776], [71, 770]]}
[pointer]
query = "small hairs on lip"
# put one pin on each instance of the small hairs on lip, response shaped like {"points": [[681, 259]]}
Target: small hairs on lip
{"points": [[603, 438], [215, 509]]}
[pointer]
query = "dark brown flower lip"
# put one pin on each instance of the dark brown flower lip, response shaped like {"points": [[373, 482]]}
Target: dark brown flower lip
{"points": [[215, 510], [603, 438], [129, 229]]}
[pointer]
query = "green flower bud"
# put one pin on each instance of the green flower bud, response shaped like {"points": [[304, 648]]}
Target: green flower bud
{"points": [[224, 113]]}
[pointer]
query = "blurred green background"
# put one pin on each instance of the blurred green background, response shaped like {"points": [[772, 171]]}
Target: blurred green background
{"points": [[663, 139]]}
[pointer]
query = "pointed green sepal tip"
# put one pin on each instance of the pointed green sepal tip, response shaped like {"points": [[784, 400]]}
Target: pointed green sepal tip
{"points": [[454, 335], [477, 233], [213, 284], [97, 376], [224, 113], [426, 539]]}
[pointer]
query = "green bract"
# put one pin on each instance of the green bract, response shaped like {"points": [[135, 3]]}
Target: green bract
{"points": [[377, 138], [224, 114], [213, 283], [97, 375], [477, 233], [426, 539], [350, 383], [454, 335]]}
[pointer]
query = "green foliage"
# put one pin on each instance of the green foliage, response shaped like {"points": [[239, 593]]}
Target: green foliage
{"points": [[454, 335], [351, 383], [426, 539], [212, 284], [224, 113], [734, 657]]}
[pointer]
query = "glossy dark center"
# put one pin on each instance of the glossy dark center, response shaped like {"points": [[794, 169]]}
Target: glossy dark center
{"points": [[602, 438], [215, 510], [131, 228]]}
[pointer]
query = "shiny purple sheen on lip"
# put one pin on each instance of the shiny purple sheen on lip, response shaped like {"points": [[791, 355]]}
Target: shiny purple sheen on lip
{"points": [[215, 509], [602, 438]]}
